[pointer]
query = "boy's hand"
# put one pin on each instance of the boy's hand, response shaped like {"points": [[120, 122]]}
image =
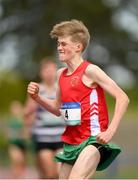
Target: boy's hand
{"points": [[33, 90], [105, 137]]}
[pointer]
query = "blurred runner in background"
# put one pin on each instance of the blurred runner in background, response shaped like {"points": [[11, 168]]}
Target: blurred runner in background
{"points": [[46, 127], [17, 141]]}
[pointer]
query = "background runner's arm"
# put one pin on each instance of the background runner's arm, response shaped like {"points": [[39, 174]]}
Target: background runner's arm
{"points": [[29, 111]]}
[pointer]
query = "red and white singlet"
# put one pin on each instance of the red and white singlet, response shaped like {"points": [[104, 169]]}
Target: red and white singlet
{"points": [[83, 108]]}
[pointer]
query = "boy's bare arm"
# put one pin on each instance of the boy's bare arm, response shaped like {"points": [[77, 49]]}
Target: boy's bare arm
{"points": [[52, 106], [98, 76]]}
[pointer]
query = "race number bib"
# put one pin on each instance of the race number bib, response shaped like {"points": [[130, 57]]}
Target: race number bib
{"points": [[71, 112]]}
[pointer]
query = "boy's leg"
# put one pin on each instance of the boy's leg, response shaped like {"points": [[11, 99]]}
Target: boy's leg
{"points": [[86, 164], [65, 171]]}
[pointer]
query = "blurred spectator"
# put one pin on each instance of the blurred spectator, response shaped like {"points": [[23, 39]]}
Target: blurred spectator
{"points": [[46, 128], [17, 142]]}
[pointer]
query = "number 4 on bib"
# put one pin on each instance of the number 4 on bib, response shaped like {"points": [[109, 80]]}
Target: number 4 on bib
{"points": [[66, 114], [71, 112]]}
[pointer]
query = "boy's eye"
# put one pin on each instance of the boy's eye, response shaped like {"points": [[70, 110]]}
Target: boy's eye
{"points": [[61, 44], [64, 44]]}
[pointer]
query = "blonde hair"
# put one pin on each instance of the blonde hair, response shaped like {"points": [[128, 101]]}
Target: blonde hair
{"points": [[74, 28]]}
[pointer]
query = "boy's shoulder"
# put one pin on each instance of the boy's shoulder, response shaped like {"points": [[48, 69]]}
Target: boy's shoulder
{"points": [[91, 68]]}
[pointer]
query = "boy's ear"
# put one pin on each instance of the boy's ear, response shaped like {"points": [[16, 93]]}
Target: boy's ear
{"points": [[79, 47]]}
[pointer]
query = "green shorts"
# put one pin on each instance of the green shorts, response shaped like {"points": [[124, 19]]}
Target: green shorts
{"points": [[71, 152], [20, 143]]}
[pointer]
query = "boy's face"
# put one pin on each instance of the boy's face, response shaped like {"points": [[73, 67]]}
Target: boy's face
{"points": [[67, 49]]}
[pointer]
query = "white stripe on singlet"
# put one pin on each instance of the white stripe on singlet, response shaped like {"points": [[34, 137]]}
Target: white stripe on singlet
{"points": [[94, 113]]}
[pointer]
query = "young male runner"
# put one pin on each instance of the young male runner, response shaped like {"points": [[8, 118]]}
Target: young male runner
{"points": [[80, 100]]}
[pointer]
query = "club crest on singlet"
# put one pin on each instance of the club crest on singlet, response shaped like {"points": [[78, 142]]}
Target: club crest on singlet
{"points": [[74, 81], [71, 112]]}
